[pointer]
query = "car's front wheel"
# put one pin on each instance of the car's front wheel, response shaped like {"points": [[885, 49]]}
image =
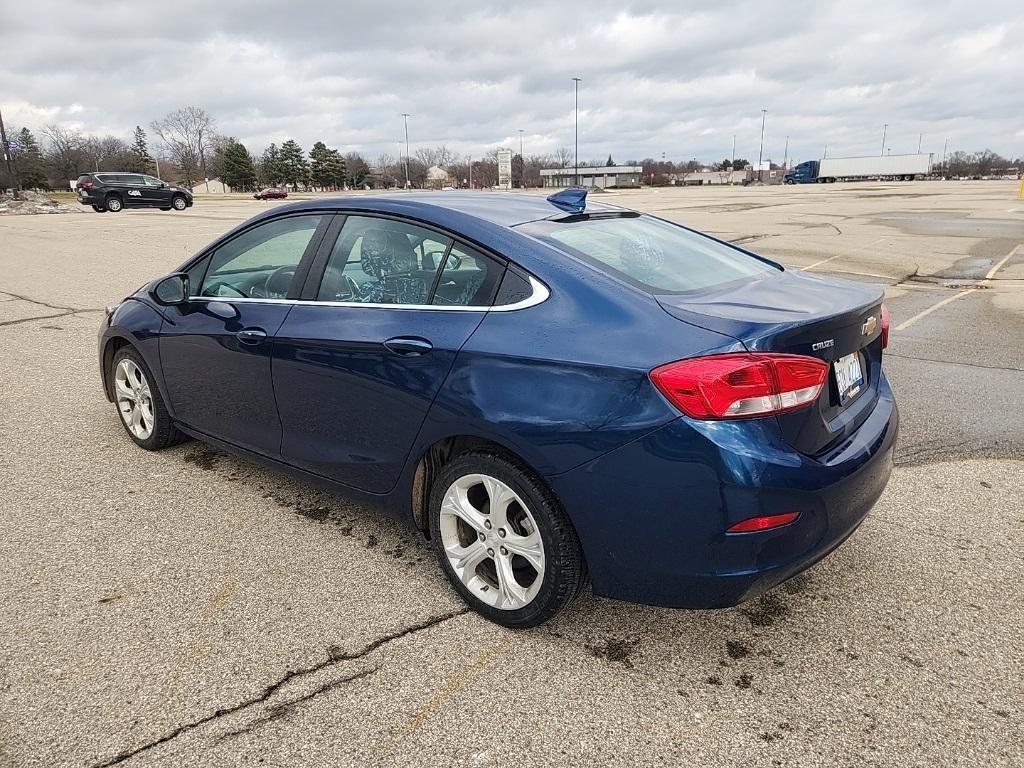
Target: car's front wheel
{"points": [[142, 410], [503, 540], [179, 203]]}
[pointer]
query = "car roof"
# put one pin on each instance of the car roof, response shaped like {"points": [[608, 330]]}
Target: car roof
{"points": [[506, 209]]}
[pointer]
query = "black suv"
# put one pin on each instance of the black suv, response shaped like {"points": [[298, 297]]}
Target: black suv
{"points": [[113, 191]]}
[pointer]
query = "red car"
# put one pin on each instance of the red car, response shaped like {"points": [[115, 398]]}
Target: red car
{"points": [[271, 193]]}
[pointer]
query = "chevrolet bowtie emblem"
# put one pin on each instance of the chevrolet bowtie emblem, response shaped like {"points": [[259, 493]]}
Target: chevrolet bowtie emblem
{"points": [[869, 326]]}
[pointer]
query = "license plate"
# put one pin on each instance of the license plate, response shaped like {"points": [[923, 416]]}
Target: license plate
{"points": [[849, 376]]}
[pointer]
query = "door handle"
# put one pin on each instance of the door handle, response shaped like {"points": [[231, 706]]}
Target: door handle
{"points": [[251, 335], [408, 346]]}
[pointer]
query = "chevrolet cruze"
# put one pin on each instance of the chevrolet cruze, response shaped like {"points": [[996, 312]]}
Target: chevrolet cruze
{"points": [[559, 394]]}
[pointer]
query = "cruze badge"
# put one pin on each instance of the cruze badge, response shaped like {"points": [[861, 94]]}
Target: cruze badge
{"points": [[869, 326], [823, 344]]}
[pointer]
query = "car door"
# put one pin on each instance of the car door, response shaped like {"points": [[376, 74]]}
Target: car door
{"points": [[135, 194], [358, 362], [155, 193], [215, 350]]}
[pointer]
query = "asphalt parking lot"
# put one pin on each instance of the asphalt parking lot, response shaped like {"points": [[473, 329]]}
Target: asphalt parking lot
{"points": [[188, 608]]}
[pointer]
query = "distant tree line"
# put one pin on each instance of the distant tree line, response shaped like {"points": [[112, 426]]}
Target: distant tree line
{"points": [[189, 149]]}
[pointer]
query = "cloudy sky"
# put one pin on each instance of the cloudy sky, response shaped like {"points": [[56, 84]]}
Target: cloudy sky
{"points": [[680, 78]]}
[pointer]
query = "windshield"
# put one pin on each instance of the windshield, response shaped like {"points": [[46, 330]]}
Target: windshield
{"points": [[655, 255]]}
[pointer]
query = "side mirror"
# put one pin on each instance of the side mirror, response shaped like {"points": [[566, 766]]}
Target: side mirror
{"points": [[172, 290]]}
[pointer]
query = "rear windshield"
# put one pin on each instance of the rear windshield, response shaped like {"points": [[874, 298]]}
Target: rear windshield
{"points": [[655, 255]]}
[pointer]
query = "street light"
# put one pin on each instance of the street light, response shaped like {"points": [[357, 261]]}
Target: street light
{"points": [[884, 129], [406, 115], [522, 162], [760, 151], [576, 92]]}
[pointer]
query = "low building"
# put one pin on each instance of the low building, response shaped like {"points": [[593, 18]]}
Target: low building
{"points": [[707, 177], [607, 176], [211, 187]]}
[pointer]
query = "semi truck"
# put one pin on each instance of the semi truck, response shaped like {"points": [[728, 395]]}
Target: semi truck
{"points": [[884, 167]]}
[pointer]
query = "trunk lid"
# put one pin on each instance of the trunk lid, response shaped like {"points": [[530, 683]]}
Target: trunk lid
{"points": [[801, 314]]}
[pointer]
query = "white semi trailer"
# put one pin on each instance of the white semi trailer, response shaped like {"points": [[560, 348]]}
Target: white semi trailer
{"points": [[884, 167]]}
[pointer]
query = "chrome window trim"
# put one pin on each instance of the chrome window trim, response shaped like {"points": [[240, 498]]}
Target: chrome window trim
{"points": [[539, 295]]}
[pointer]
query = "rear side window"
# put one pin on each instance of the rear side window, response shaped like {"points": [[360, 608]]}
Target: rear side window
{"points": [[467, 280], [655, 255]]}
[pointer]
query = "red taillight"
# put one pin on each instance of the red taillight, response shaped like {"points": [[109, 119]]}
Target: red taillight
{"points": [[85, 184], [763, 523], [741, 385], [885, 326]]}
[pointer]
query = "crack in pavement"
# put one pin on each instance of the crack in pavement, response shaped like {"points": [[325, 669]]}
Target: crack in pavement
{"points": [[334, 656], [956, 362], [64, 311], [283, 709]]}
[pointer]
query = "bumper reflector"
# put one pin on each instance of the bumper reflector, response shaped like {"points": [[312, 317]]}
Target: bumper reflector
{"points": [[763, 523]]}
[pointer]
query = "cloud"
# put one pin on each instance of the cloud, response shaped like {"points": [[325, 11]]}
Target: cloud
{"points": [[657, 77]]}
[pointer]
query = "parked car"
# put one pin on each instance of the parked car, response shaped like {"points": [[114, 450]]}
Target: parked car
{"points": [[110, 191], [271, 193], [553, 391]]}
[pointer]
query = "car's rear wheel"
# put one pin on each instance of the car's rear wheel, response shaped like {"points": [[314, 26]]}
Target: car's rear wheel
{"points": [[503, 540], [142, 410], [179, 202], [114, 204]]}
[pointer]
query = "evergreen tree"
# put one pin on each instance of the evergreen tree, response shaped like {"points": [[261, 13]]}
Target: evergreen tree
{"points": [[319, 157], [31, 165], [610, 162], [335, 169], [141, 161], [271, 172], [238, 172], [294, 168]]}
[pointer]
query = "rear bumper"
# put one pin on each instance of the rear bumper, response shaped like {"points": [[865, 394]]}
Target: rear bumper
{"points": [[652, 515]]}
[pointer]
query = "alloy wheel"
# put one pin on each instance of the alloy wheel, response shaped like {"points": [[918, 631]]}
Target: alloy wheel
{"points": [[179, 203], [492, 541], [134, 398]]}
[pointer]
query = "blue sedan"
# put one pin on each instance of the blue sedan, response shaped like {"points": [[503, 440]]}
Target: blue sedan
{"points": [[558, 393]]}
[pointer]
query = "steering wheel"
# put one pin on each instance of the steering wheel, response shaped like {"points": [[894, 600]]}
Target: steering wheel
{"points": [[279, 275]]}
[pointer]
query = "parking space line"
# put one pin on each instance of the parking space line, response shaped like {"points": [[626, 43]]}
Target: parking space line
{"points": [[932, 308], [839, 255], [1006, 258]]}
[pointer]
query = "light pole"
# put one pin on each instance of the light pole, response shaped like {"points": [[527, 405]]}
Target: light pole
{"points": [[884, 129], [406, 115], [522, 162], [944, 144], [760, 151], [785, 155], [576, 167], [920, 136]]}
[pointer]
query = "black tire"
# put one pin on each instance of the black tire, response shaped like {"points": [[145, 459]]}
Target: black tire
{"points": [[114, 204], [99, 209], [164, 433], [565, 571], [179, 203]]}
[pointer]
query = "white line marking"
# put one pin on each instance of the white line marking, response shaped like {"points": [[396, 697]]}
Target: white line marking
{"points": [[840, 255], [907, 323], [1006, 258]]}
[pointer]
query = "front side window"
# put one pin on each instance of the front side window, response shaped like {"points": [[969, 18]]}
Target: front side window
{"points": [[261, 262], [149, 181], [380, 261], [653, 254]]}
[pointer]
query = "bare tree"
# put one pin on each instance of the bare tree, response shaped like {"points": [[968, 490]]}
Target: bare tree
{"points": [[564, 157], [67, 152], [187, 134]]}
